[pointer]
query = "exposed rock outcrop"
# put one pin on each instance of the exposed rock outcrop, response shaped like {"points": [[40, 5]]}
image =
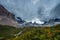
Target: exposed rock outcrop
{"points": [[6, 18]]}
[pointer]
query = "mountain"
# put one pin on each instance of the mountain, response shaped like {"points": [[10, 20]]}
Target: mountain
{"points": [[53, 21], [6, 17], [19, 20], [57, 20]]}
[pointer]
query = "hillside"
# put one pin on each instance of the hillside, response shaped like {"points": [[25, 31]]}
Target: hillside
{"points": [[8, 31], [30, 33], [6, 17], [40, 33]]}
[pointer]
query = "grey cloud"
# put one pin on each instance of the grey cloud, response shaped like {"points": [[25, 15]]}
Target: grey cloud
{"points": [[43, 9]]}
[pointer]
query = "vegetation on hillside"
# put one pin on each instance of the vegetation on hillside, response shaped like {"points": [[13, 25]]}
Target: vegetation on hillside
{"points": [[30, 33], [40, 33], [7, 32]]}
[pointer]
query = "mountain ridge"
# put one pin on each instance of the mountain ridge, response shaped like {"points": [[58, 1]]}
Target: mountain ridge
{"points": [[6, 17]]}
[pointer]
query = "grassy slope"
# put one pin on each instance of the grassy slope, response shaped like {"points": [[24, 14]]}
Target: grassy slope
{"points": [[39, 33], [6, 32], [30, 33]]}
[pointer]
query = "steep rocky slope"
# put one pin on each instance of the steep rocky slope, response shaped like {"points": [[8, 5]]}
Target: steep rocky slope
{"points": [[6, 18]]}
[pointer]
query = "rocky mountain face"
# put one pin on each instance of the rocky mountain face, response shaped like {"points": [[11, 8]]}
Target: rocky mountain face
{"points": [[6, 18]]}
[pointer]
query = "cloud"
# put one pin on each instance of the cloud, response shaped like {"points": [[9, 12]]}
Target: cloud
{"points": [[34, 1], [29, 9]]}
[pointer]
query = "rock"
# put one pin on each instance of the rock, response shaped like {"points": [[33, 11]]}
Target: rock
{"points": [[19, 20], [57, 20], [6, 17]]}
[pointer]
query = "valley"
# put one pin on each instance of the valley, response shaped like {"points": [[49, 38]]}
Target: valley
{"points": [[30, 33]]}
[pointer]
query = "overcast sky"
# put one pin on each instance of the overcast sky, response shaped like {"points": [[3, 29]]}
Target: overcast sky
{"points": [[30, 9]]}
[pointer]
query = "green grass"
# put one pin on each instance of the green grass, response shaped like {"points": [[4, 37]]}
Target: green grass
{"points": [[7, 32], [40, 33], [30, 33]]}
